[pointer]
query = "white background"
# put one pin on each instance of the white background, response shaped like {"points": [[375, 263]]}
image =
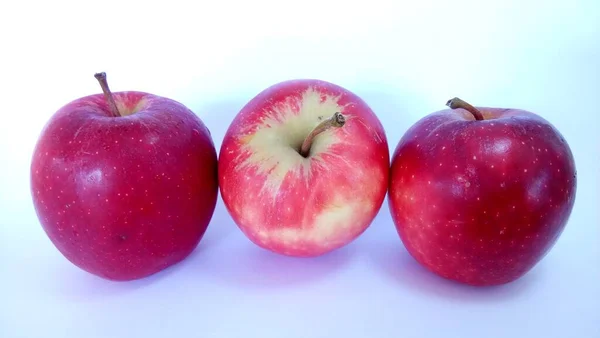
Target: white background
{"points": [[405, 58]]}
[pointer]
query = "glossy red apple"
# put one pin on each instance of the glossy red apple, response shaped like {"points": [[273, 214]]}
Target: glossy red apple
{"points": [[124, 183], [303, 168], [480, 195]]}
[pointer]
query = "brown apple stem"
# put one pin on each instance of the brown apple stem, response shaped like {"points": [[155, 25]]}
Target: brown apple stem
{"points": [[458, 103], [101, 77], [337, 120]]}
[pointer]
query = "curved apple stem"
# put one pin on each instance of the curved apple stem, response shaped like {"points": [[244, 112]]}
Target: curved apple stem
{"points": [[101, 77], [458, 103], [337, 120]]}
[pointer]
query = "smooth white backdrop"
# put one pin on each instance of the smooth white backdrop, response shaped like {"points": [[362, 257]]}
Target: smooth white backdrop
{"points": [[405, 58]]}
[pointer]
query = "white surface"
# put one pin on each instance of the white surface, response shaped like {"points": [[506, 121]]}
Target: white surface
{"points": [[404, 58]]}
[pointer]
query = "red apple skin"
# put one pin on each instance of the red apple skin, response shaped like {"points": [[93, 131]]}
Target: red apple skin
{"points": [[481, 202], [124, 197], [297, 206]]}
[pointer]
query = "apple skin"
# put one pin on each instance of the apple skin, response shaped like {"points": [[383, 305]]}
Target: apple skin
{"points": [[124, 197], [303, 206], [481, 202]]}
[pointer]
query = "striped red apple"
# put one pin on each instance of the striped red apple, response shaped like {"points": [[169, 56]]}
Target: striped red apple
{"points": [[303, 168]]}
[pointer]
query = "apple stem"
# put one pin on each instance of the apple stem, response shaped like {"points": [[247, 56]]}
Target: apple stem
{"points": [[337, 120], [101, 77], [458, 103]]}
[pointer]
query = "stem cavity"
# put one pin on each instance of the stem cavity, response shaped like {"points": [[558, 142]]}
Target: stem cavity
{"points": [[458, 103], [101, 77], [337, 120]]}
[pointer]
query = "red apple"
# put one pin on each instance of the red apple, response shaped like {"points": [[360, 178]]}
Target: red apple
{"points": [[480, 195], [303, 168], [124, 183]]}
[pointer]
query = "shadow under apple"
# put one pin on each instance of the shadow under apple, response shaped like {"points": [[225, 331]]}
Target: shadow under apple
{"points": [[394, 262], [244, 265], [74, 284]]}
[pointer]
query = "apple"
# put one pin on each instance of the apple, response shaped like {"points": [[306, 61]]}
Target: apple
{"points": [[124, 184], [479, 195], [304, 167]]}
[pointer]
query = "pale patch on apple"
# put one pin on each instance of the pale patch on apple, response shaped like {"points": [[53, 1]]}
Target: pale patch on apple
{"points": [[273, 146], [125, 107], [333, 227]]}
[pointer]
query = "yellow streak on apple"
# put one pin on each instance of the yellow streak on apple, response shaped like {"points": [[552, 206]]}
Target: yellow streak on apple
{"points": [[275, 143], [125, 110], [334, 226]]}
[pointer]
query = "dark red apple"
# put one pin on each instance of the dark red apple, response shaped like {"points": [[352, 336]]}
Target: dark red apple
{"points": [[304, 167], [124, 183], [480, 195]]}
